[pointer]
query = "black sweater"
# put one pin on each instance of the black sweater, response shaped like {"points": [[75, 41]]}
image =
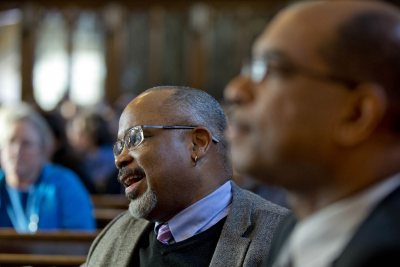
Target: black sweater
{"points": [[196, 251]]}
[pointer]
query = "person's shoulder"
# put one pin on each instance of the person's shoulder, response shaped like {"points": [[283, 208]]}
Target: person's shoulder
{"points": [[60, 176], [376, 241], [51, 169], [2, 181], [122, 223], [256, 202], [384, 216], [119, 222]]}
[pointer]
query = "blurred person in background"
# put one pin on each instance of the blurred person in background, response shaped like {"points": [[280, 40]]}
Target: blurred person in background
{"points": [[62, 153], [36, 195], [89, 135]]}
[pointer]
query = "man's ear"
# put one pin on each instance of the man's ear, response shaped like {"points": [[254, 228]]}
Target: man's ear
{"points": [[201, 139], [362, 114]]}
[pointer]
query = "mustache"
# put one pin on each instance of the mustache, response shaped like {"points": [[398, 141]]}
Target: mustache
{"points": [[124, 172]]}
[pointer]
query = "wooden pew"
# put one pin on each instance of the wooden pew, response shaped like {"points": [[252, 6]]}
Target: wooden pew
{"points": [[58, 248], [107, 207], [110, 201]]}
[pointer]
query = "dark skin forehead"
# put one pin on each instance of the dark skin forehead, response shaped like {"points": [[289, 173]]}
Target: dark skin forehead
{"points": [[147, 108], [304, 28]]}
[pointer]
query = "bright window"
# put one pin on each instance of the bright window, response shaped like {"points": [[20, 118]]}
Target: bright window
{"points": [[88, 63], [50, 76], [10, 85]]}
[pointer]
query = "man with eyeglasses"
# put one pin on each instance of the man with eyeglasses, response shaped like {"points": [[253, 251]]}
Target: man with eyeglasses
{"points": [[317, 112], [173, 160]]}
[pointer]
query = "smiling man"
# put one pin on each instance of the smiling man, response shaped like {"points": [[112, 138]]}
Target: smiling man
{"points": [[317, 112], [184, 211]]}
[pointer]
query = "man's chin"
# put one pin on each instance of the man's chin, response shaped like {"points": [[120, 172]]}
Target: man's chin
{"points": [[132, 196], [142, 206]]}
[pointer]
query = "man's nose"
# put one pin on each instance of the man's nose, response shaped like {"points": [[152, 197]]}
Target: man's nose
{"points": [[239, 91], [123, 159]]}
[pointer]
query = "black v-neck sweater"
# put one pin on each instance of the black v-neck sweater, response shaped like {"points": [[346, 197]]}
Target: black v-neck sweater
{"points": [[196, 251]]}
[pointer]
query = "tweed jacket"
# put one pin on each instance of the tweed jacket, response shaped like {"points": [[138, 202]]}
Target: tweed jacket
{"points": [[376, 242], [244, 241]]}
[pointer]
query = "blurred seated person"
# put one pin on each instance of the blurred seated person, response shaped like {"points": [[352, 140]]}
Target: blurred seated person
{"points": [[62, 153], [34, 194], [90, 137]]}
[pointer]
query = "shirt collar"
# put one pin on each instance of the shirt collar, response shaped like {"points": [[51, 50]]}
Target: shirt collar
{"points": [[319, 239], [201, 215]]}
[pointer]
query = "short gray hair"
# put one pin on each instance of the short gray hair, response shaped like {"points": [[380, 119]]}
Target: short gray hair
{"points": [[199, 108]]}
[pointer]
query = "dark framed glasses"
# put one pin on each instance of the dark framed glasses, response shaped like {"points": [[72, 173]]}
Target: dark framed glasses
{"points": [[134, 136], [258, 69]]}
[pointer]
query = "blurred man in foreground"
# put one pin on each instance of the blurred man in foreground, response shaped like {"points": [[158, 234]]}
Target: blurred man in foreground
{"points": [[317, 112]]}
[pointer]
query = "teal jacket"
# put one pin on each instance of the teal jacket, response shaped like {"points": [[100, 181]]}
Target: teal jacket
{"points": [[57, 200]]}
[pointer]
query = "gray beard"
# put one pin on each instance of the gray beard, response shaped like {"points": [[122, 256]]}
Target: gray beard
{"points": [[142, 206]]}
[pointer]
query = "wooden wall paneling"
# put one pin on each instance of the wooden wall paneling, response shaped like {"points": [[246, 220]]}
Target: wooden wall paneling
{"points": [[223, 53], [28, 39], [156, 44], [197, 47], [173, 50], [160, 42], [136, 61], [114, 18], [71, 15]]}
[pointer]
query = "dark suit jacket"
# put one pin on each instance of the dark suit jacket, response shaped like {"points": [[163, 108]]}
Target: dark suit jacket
{"points": [[375, 243], [245, 238]]}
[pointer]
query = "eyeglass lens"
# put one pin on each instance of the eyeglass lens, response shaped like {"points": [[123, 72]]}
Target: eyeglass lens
{"points": [[133, 138], [258, 70], [255, 69]]}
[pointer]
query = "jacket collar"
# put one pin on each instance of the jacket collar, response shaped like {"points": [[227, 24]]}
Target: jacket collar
{"points": [[233, 239]]}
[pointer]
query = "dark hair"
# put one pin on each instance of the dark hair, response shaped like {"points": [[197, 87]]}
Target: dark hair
{"points": [[366, 48], [95, 126]]}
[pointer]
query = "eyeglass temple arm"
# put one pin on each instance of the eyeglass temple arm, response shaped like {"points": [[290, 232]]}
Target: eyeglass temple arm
{"points": [[215, 140]]}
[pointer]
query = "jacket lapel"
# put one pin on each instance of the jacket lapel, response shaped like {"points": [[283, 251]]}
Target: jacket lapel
{"points": [[370, 237], [281, 235], [233, 241], [129, 241]]}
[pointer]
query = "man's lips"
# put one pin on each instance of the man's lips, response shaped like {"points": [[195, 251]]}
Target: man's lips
{"points": [[129, 177]]}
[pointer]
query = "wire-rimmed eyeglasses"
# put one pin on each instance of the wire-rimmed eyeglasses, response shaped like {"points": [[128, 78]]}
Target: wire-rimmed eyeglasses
{"points": [[134, 136]]}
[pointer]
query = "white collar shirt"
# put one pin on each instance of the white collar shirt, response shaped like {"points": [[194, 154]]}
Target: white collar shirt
{"points": [[319, 239]]}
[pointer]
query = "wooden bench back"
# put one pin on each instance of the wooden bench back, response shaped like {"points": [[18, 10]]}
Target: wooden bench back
{"points": [[107, 207], [60, 248], [108, 201]]}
